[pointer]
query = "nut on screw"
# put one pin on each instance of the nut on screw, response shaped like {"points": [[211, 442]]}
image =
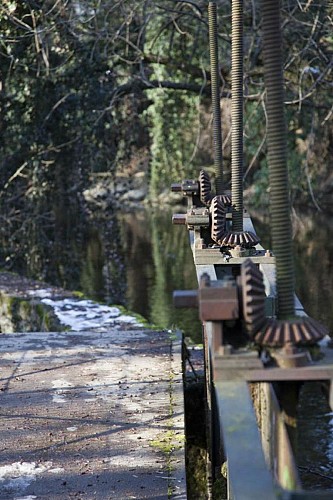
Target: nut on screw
{"points": [[200, 244]]}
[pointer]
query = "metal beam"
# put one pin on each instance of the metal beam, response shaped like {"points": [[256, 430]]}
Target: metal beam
{"points": [[299, 374], [248, 473], [214, 256]]}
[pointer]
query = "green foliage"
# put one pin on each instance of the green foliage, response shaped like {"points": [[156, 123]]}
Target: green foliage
{"points": [[307, 54], [174, 117], [56, 125], [174, 123], [82, 83]]}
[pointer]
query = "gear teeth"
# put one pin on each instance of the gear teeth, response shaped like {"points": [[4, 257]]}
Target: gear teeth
{"points": [[217, 210], [244, 239], [253, 295], [299, 331], [226, 199], [205, 187]]}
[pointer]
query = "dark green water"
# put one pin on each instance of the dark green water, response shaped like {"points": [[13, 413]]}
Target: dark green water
{"points": [[157, 260], [138, 259]]}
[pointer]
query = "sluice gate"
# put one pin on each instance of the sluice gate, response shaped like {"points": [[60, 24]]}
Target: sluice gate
{"points": [[260, 346]]}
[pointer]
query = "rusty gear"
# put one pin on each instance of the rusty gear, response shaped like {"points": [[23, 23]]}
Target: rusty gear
{"points": [[217, 210], [205, 188], [226, 199], [298, 331], [253, 297], [244, 239]]}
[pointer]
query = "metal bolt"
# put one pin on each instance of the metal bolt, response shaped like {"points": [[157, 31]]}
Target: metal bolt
{"points": [[176, 187], [179, 219], [225, 350], [205, 280]]}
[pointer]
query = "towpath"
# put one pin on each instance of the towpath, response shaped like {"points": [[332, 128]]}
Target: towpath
{"points": [[93, 413]]}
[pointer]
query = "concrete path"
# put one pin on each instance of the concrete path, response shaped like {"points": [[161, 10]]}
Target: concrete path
{"points": [[91, 415]]}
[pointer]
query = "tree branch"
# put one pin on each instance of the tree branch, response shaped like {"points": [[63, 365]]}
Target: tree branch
{"points": [[136, 85]]}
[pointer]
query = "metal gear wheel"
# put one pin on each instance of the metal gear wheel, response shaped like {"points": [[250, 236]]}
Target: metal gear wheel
{"points": [[217, 210], [244, 239], [205, 188], [226, 199], [253, 297], [298, 331]]}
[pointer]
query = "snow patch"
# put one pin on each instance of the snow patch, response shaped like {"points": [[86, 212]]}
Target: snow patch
{"points": [[59, 393], [29, 497], [86, 315], [18, 476], [40, 293]]}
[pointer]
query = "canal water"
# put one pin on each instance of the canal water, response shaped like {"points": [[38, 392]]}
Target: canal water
{"points": [[137, 259], [158, 260]]}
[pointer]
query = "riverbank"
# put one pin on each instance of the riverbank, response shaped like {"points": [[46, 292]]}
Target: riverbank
{"points": [[130, 193]]}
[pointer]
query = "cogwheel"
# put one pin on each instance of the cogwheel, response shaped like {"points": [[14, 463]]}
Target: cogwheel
{"points": [[244, 239], [217, 210], [253, 297], [298, 331], [205, 188], [226, 199]]}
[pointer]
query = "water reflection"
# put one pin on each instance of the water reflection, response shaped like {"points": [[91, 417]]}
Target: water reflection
{"points": [[313, 257], [102, 274], [314, 265], [138, 259], [158, 261], [315, 439]]}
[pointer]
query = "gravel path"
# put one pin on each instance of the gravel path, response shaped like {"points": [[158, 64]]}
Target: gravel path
{"points": [[91, 415]]}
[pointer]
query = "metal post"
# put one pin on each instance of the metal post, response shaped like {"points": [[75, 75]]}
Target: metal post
{"points": [[215, 79], [237, 115], [277, 158]]}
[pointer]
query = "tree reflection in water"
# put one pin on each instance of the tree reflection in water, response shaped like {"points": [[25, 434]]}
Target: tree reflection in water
{"points": [[313, 255], [138, 259], [158, 261]]}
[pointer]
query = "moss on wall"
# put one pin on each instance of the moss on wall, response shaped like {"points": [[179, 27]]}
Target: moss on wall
{"points": [[22, 314]]}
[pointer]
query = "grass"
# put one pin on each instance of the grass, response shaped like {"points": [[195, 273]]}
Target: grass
{"points": [[169, 441]]}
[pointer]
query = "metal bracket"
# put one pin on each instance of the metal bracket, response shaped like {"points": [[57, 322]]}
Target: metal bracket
{"points": [[215, 256]]}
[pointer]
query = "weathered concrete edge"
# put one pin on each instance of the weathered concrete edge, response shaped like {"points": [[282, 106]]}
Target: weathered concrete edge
{"points": [[178, 472]]}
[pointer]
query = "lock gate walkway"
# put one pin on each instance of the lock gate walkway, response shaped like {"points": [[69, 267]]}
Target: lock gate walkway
{"points": [[92, 415]]}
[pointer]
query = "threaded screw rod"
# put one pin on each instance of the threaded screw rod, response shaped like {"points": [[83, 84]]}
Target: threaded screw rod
{"points": [[237, 115], [277, 158], [215, 86]]}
